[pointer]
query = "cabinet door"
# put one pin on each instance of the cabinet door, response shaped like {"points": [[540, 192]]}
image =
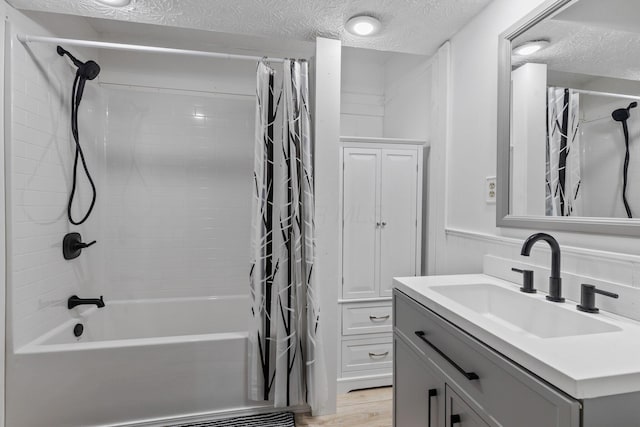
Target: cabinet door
{"points": [[418, 392], [361, 206], [399, 200], [459, 414]]}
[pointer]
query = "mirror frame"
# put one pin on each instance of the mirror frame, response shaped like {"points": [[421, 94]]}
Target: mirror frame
{"points": [[615, 226]]}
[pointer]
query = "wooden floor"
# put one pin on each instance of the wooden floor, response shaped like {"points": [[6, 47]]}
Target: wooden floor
{"points": [[370, 408]]}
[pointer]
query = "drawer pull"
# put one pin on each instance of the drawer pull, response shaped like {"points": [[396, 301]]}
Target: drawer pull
{"points": [[372, 355], [468, 375], [375, 318], [433, 392], [455, 419]]}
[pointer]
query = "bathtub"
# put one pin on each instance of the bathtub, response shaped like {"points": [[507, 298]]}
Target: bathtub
{"points": [[137, 363]]}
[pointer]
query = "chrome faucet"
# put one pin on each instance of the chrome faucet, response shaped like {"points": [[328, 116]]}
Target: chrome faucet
{"points": [[555, 282]]}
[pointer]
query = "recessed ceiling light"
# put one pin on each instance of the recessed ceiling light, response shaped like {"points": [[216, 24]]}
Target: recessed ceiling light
{"points": [[531, 47], [363, 25], [115, 3]]}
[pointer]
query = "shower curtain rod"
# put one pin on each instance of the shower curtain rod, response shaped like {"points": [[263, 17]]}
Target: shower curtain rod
{"points": [[25, 38], [611, 94]]}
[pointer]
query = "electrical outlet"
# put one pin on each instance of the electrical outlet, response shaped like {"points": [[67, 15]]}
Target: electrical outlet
{"points": [[490, 189]]}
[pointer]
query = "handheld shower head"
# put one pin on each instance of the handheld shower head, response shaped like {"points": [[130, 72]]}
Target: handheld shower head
{"points": [[86, 70], [623, 114]]}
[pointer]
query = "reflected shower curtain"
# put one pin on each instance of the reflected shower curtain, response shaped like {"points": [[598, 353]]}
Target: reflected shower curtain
{"points": [[285, 351], [563, 197]]}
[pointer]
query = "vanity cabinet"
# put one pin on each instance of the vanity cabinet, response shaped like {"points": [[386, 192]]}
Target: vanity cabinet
{"points": [[418, 390], [381, 223], [458, 413], [476, 385]]}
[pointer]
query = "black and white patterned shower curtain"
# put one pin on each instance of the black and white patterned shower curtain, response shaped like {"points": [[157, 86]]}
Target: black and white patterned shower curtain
{"points": [[285, 351], [563, 177]]}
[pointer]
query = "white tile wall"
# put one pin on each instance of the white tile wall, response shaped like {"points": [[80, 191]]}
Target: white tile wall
{"points": [[38, 170], [177, 199], [173, 170]]}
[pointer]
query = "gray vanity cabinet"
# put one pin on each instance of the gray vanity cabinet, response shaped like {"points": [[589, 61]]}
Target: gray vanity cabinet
{"points": [[418, 390], [478, 384], [458, 413]]}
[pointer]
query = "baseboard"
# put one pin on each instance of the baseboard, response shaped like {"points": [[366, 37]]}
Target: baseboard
{"points": [[210, 416], [355, 383]]}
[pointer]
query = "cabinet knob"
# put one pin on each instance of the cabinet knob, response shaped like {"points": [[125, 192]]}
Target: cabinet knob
{"points": [[384, 223]]}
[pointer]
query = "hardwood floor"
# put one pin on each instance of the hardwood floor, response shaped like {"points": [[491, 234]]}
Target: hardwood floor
{"points": [[360, 408]]}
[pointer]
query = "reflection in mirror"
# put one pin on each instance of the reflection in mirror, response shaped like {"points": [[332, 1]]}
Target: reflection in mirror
{"points": [[575, 128]]}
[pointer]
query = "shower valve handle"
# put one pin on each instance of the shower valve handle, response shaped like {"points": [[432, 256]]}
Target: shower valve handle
{"points": [[72, 245], [82, 245]]}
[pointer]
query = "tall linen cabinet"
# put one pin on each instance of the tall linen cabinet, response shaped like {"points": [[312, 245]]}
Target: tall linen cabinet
{"points": [[381, 229]]}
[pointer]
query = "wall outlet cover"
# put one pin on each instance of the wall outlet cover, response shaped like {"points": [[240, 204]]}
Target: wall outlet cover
{"points": [[490, 189]]}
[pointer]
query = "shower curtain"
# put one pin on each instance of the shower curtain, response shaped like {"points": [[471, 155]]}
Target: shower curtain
{"points": [[563, 197], [285, 351]]}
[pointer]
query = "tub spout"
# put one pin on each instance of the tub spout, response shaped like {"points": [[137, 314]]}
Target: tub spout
{"points": [[74, 301]]}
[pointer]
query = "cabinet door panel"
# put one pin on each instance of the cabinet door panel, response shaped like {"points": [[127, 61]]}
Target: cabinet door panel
{"points": [[398, 216], [459, 414], [360, 214], [417, 391]]}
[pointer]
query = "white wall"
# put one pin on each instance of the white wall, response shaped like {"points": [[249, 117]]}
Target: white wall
{"points": [[385, 94], [362, 92], [39, 152], [176, 195], [326, 110], [178, 162], [3, 246], [407, 97], [528, 139], [471, 156]]}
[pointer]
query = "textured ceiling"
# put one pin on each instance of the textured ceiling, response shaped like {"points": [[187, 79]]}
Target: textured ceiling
{"points": [[410, 26], [590, 39]]}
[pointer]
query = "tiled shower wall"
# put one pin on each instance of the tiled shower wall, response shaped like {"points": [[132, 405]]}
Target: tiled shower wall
{"points": [[177, 193], [170, 147], [39, 155]]}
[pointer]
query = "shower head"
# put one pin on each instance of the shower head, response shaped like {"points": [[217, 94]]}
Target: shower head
{"points": [[86, 70], [623, 114]]}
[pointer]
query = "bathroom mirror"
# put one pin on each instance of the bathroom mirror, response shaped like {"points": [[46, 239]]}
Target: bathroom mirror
{"points": [[569, 120]]}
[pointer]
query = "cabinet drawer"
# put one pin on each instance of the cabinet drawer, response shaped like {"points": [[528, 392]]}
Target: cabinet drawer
{"points": [[483, 376], [366, 318], [361, 355]]}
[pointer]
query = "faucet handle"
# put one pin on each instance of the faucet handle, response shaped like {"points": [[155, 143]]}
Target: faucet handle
{"points": [[588, 298], [527, 280]]}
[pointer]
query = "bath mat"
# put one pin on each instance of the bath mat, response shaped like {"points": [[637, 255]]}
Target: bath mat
{"points": [[279, 419]]}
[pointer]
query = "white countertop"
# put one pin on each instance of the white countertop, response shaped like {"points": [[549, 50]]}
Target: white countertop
{"points": [[583, 366]]}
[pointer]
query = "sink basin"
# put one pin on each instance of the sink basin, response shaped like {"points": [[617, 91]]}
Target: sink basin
{"points": [[524, 313]]}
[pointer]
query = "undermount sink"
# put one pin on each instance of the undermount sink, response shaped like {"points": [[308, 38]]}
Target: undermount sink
{"points": [[524, 313]]}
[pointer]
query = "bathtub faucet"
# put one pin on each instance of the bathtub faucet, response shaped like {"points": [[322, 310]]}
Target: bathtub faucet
{"points": [[74, 301]]}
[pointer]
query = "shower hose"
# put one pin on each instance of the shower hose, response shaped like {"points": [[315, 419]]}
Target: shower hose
{"points": [[625, 129], [76, 97]]}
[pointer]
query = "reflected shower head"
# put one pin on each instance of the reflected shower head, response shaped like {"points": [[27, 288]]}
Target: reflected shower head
{"points": [[623, 114]]}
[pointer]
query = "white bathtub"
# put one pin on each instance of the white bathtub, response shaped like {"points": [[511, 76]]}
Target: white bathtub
{"points": [[137, 363]]}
